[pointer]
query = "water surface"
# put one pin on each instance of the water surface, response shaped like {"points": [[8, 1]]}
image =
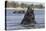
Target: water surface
{"points": [[14, 20]]}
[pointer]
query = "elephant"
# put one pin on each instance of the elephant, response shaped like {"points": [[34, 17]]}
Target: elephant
{"points": [[29, 17]]}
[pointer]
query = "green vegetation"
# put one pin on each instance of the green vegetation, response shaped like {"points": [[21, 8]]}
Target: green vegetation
{"points": [[22, 5]]}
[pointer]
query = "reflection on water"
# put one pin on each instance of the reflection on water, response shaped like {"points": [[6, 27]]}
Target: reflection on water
{"points": [[14, 20]]}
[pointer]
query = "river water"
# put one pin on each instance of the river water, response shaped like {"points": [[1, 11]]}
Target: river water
{"points": [[14, 20]]}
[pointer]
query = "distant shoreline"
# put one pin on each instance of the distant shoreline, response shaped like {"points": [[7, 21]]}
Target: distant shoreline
{"points": [[25, 9]]}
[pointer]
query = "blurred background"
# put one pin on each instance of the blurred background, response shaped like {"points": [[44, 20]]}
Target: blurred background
{"points": [[14, 4]]}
